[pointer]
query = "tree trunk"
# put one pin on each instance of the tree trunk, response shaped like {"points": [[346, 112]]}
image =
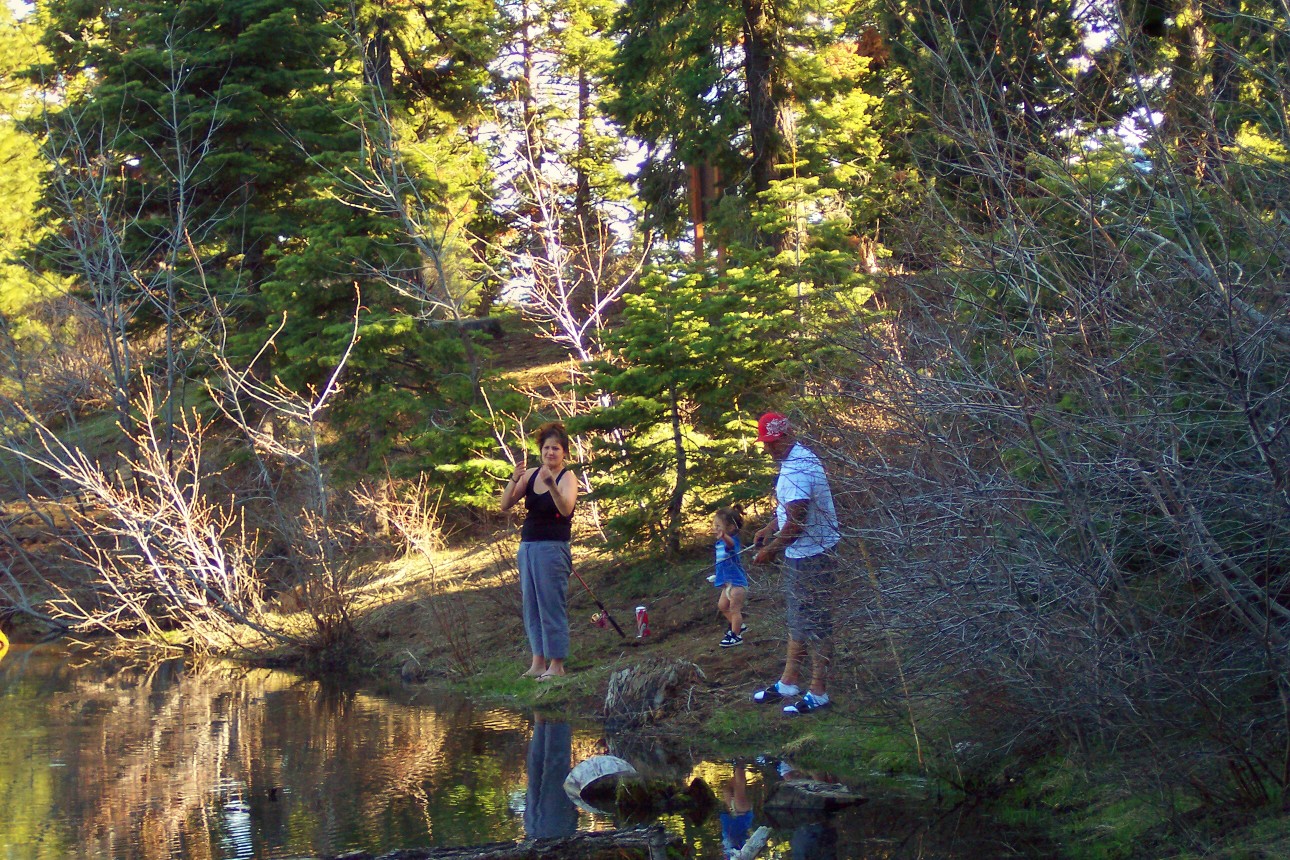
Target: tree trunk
{"points": [[582, 192], [676, 503], [378, 65], [1225, 74], [760, 54], [584, 215], [532, 137], [1189, 119]]}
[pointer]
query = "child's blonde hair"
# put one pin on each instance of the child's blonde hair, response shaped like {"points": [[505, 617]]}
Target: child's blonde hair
{"points": [[732, 516]]}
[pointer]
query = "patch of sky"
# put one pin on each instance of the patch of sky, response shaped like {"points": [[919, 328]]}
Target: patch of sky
{"points": [[1102, 27], [1100, 20]]}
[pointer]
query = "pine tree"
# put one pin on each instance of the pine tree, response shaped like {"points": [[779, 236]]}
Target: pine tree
{"points": [[728, 98], [20, 176], [196, 133], [696, 356], [662, 363], [1000, 69], [676, 87]]}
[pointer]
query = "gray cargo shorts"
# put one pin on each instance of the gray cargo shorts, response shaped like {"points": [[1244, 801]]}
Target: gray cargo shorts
{"points": [[808, 595]]}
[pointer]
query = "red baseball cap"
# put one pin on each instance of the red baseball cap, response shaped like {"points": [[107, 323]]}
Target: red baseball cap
{"points": [[771, 426]]}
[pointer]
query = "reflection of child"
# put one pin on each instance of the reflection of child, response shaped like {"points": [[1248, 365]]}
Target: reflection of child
{"points": [[730, 576], [736, 823]]}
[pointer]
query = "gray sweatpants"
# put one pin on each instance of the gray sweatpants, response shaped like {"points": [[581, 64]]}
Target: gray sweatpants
{"points": [[545, 567]]}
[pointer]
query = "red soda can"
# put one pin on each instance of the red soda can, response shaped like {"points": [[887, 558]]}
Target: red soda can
{"points": [[642, 622]]}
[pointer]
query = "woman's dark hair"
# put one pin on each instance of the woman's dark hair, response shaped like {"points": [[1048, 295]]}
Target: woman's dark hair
{"points": [[549, 429], [733, 516]]}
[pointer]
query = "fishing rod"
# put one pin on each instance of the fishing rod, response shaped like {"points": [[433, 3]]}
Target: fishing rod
{"points": [[603, 610]]}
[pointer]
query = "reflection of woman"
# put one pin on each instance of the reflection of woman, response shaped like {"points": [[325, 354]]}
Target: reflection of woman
{"points": [[549, 492], [547, 809]]}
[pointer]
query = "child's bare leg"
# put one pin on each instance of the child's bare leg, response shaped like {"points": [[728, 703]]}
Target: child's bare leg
{"points": [[736, 607]]}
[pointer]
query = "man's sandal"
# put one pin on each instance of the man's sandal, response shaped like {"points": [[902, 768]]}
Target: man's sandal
{"points": [[808, 704], [774, 693]]}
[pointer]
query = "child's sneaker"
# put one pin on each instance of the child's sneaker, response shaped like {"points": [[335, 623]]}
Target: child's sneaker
{"points": [[731, 639]]}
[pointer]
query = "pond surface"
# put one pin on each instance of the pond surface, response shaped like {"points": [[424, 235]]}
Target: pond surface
{"points": [[100, 760]]}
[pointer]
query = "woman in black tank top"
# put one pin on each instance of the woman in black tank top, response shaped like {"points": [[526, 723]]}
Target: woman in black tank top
{"points": [[550, 493]]}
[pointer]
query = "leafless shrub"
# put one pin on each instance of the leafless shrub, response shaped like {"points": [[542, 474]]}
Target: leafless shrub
{"points": [[283, 428], [502, 580], [158, 547], [60, 372], [413, 515], [450, 606], [163, 554], [409, 513], [1067, 452]]}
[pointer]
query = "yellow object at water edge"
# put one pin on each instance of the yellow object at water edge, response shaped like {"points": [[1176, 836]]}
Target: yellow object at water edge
{"points": [[4, 645]]}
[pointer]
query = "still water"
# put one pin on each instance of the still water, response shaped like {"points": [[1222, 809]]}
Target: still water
{"points": [[102, 760]]}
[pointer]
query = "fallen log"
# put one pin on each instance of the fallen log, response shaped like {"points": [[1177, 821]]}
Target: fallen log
{"points": [[755, 843], [633, 843]]}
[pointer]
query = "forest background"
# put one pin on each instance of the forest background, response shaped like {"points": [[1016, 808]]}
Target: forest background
{"points": [[1019, 269]]}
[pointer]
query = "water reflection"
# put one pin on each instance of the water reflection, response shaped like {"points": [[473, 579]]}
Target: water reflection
{"points": [[112, 761], [737, 814], [236, 821], [813, 835], [216, 762], [548, 810]]}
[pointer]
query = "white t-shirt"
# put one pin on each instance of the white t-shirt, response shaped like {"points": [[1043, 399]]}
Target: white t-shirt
{"points": [[801, 478]]}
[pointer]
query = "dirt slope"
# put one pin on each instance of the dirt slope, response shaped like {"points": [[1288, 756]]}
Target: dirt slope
{"points": [[460, 623]]}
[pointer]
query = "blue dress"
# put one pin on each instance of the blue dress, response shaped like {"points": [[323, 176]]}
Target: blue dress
{"points": [[734, 831], [730, 570]]}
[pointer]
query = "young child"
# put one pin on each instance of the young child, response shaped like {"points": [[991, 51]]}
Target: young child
{"points": [[730, 575]]}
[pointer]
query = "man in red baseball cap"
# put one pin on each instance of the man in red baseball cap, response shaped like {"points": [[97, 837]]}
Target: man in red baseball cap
{"points": [[772, 426], [806, 531]]}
